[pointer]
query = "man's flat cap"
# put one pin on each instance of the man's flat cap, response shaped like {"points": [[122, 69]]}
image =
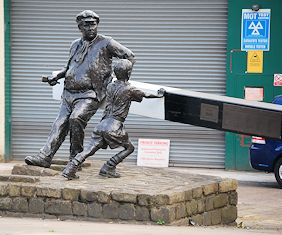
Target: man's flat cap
{"points": [[87, 15]]}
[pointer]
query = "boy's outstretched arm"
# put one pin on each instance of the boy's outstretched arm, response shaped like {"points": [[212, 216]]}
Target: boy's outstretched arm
{"points": [[160, 94]]}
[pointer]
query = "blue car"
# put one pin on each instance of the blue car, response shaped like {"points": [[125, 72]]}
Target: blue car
{"points": [[266, 154]]}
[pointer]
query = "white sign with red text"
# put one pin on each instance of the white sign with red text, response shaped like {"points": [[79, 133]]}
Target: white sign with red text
{"points": [[153, 152], [277, 80]]}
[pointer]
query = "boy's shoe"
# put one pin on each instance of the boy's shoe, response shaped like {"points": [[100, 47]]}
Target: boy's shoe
{"points": [[38, 161], [70, 170], [109, 171]]}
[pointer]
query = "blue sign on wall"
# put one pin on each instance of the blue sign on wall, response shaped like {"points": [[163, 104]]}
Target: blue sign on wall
{"points": [[255, 30]]}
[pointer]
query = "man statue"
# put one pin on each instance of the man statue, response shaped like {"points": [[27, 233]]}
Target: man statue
{"points": [[87, 74]]}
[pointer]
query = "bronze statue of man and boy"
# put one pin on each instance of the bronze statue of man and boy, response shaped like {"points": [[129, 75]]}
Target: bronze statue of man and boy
{"points": [[88, 81]]}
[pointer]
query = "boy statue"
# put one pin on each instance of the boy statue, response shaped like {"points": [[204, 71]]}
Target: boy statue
{"points": [[110, 131]]}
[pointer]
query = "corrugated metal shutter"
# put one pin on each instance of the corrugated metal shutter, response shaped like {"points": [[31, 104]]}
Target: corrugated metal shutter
{"points": [[179, 43]]}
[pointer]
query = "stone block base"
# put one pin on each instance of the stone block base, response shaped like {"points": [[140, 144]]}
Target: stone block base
{"points": [[149, 195]]}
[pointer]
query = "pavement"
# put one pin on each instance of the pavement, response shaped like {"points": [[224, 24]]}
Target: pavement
{"points": [[259, 198], [35, 226], [244, 177]]}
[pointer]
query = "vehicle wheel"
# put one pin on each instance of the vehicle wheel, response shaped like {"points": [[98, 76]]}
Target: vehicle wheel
{"points": [[278, 172]]}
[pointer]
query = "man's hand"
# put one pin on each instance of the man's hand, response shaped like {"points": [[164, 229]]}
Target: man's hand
{"points": [[51, 80]]}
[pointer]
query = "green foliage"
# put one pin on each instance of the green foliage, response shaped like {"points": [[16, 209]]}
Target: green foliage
{"points": [[160, 222]]}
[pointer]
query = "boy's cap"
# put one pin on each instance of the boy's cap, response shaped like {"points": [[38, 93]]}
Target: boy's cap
{"points": [[87, 15]]}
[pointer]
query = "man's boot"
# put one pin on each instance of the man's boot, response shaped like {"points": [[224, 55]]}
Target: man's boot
{"points": [[39, 160], [71, 169]]}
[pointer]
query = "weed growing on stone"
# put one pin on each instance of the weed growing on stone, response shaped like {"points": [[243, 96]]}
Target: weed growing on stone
{"points": [[160, 222]]}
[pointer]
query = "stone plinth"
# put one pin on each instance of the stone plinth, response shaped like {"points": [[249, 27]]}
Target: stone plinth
{"points": [[148, 195]]}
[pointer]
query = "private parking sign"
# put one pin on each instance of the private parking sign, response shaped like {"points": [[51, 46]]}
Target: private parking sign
{"points": [[255, 30]]}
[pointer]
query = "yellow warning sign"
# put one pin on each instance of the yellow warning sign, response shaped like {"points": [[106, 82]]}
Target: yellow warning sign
{"points": [[255, 62]]}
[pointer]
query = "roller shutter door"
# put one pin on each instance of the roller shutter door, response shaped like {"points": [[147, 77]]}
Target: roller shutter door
{"points": [[179, 43]]}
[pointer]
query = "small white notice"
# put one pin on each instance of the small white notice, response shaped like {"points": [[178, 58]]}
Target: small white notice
{"points": [[153, 152]]}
